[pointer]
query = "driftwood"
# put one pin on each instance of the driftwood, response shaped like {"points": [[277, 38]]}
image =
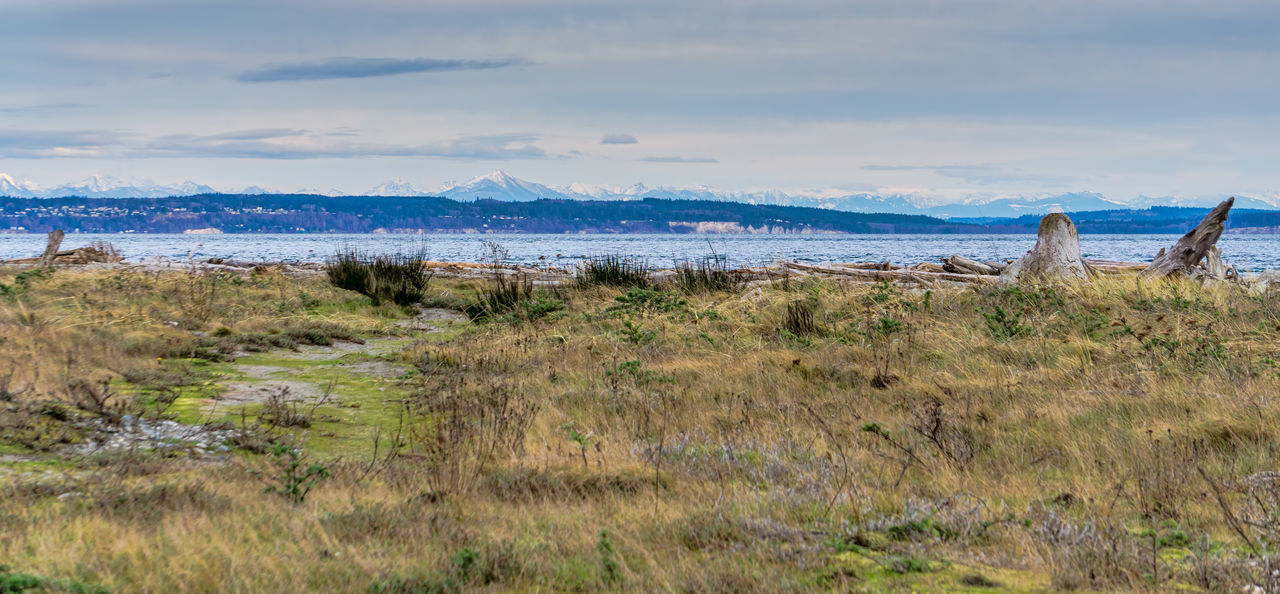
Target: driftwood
{"points": [[51, 250], [871, 266], [1214, 267], [917, 276], [928, 267], [1192, 247], [1114, 267], [1055, 257], [84, 255], [963, 265]]}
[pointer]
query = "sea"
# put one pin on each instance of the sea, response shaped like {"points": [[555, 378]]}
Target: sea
{"points": [[1246, 252]]}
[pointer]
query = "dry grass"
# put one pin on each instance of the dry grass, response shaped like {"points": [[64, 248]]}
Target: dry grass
{"points": [[1108, 437]]}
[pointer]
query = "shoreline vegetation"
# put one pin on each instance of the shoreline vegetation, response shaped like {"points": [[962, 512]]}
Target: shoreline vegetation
{"points": [[385, 424]]}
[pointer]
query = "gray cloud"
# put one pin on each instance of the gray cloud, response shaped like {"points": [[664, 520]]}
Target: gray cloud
{"points": [[258, 134], [933, 168], [618, 139], [679, 160], [288, 144], [364, 68], [265, 143], [44, 107], [37, 144], [983, 174]]}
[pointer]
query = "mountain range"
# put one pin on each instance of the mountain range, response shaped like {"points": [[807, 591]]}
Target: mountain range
{"points": [[502, 186]]}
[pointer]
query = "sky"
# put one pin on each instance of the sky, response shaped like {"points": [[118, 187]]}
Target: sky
{"points": [[945, 98]]}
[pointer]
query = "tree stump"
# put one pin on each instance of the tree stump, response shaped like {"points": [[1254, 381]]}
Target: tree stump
{"points": [[1055, 257], [1192, 247], [51, 250]]}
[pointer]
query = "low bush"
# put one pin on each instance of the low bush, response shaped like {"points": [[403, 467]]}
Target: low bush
{"points": [[503, 295], [613, 271], [513, 297], [394, 278]]}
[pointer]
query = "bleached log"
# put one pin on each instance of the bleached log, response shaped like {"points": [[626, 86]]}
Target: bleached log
{"points": [[1115, 263], [1192, 247], [927, 267], [961, 264], [869, 265], [893, 275]]}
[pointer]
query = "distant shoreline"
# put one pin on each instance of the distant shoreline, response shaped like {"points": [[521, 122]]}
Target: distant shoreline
{"points": [[299, 214]]}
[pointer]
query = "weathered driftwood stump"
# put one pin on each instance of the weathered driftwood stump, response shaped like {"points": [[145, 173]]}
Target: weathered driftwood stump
{"points": [[1192, 247], [1214, 266], [1055, 257], [51, 250]]}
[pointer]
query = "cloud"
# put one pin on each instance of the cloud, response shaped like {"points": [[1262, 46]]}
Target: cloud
{"points": [[44, 107], [489, 147], [39, 144], [295, 144], [258, 134], [260, 143], [983, 174], [364, 68], [679, 160], [618, 139]]}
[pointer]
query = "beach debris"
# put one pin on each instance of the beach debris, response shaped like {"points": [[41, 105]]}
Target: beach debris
{"points": [[961, 264], [51, 250], [96, 253], [1192, 248], [1055, 257]]}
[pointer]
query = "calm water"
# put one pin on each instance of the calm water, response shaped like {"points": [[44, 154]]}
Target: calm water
{"points": [[1247, 252]]}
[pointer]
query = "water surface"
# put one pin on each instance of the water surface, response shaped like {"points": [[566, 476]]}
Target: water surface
{"points": [[1247, 252]]}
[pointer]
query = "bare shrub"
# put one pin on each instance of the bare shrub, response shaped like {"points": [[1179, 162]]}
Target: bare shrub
{"points": [[97, 398], [952, 437], [282, 412], [459, 426], [1163, 471], [198, 293]]}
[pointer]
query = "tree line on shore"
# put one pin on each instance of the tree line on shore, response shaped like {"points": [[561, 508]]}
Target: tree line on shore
{"points": [[310, 213]]}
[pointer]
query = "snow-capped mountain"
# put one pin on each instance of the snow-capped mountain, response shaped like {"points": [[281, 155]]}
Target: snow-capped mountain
{"points": [[12, 187], [499, 185], [1016, 207], [331, 192], [258, 190], [397, 187], [1259, 202], [101, 186]]}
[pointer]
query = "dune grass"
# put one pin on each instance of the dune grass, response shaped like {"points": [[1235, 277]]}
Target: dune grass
{"points": [[1112, 437]]}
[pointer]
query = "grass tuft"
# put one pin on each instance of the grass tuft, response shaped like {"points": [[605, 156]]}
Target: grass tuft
{"points": [[392, 278], [613, 271], [708, 275]]}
